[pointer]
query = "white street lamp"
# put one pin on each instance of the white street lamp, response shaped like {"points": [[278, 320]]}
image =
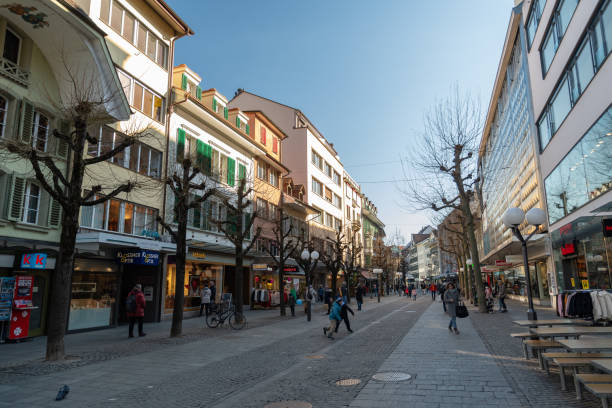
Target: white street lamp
{"points": [[512, 218], [309, 257]]}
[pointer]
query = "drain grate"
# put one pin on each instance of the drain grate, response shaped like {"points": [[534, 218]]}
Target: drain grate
{"points": [[316, 357], [392, 377], [289, 404], [347, 382]]}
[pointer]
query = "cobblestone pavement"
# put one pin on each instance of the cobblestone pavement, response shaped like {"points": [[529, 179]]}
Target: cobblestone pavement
{"points": [[447, 370], [265, 363], [532, 385]]}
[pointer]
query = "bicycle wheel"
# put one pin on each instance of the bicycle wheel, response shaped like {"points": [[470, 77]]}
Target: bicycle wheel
{"points": [[237, 321], [212, 321]]}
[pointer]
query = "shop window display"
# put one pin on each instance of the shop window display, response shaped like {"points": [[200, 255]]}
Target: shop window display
{"points": [[265, 291], [93, 298], [197, 275]]}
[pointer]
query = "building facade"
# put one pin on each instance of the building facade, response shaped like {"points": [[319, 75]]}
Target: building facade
{"points": [[372, 227], [569, 44]]}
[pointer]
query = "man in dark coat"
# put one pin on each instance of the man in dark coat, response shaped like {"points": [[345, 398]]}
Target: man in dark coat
{"points": [[135, 305], [344, 314], [359, 296]]}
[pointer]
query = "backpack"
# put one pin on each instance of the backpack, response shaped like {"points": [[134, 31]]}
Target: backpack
{"points": [[309, 296], [130, 303]]}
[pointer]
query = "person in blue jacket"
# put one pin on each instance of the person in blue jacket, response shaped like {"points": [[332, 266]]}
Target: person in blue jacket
{"points": [[334, 318]]}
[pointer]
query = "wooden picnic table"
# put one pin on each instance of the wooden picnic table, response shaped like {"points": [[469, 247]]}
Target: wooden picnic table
{"points": [[553, 322], [604, 364], [587, 345], [570, 331]]}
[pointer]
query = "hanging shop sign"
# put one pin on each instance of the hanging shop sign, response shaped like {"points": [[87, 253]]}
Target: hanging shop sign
{"points": [[33, 261], [290, 269], [502, 263], [196, 253], [143, 257], [568, 249], [260, 267], [607, 227]]}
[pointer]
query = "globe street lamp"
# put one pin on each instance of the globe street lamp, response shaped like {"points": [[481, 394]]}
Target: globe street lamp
{"points": [[512, 218], [310, 259]]}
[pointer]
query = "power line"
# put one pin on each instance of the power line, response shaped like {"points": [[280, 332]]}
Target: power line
{"points": [[372, 164]]}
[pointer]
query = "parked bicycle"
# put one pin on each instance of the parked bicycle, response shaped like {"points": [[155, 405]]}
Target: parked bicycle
{"points": [[221, 313]]}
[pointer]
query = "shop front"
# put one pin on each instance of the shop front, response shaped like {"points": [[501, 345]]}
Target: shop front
{"points": [[40, 266], [264, 286], [582, 254]]}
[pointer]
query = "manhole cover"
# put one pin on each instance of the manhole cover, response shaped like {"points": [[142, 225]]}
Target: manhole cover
{"points": [[289, 404], [391, 377], [348, 382], [315, 357]]}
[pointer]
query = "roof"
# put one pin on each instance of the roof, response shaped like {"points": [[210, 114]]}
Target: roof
{"points": [[170, 16], [267, 121]]}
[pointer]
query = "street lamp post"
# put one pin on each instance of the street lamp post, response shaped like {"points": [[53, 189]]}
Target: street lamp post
{"points": [[311, 259], [512, 218]]}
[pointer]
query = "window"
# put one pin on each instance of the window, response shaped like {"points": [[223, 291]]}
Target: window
{"points": [[329, 220], [317, 187], [262, 208], [40, 132], [548, 50], [328, 170], [119, 216], [347, 191], [262, 133], [274, 145], [533, 21], [560, 106], [318, 218], [336, 177], [142, 98], [337, 201], [262, 171], [337, 224], [138, 157], [583, 67], [134, 31], [348, 212], [274, 176], [3, 115], [12, 46], [273, 212], [556, 30], [328, 194], [317, 160], [32, 203]]}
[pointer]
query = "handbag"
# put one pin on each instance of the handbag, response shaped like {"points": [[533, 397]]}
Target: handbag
{"points": [[462, 310]]}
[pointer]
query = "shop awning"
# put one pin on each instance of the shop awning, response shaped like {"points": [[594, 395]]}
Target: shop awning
{"points": [[93, 241], [367, 274]]}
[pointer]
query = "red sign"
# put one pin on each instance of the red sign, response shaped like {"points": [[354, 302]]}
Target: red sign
{"points": [[566, 229], [290, 269], [568, 249], [502, 263], [607, 227], [22, 308]]}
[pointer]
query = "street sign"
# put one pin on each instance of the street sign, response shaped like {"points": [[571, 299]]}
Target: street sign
{"points": [[142, 257], [33, 261]]}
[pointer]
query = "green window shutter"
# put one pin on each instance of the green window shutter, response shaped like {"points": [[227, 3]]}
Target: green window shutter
{"points": [[231, 171], [237, 122], [241, 171], [247, 232], [180, 145], [184, 82], [231, 226], [200, 154], [197, 216], [214, 105], [226, 113], [62, 146], [27, 121], [207, 160], [16, 197], [198, 92], [247, 129], [55, 213]]}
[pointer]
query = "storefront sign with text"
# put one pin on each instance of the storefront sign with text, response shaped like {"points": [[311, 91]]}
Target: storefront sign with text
{"points": [[33, 261], [150, 258]]}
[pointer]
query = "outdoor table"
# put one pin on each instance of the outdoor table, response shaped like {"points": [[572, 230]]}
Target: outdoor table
{"points": [[587, 345], [553, 322], [570, 331], [604, 364]]}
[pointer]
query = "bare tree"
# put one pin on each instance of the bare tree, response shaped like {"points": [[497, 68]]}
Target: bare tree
{"points": [[80, 111], [352, 262], [333, 258], [446, 166], [189, 187], [308, 265], [237, 229]]}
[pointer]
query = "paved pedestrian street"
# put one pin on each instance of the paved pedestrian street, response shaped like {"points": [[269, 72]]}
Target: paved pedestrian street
{"points": [[288, 359]]}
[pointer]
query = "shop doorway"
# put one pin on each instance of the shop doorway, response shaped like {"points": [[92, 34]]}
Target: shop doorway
{"points": [[575, 273], [40, 294], [148, 277]]}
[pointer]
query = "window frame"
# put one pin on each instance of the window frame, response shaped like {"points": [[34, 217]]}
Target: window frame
{"points": [[4, 118], [26, 202], [19, 49], [35, 129], [314, 182], [145, 88], [148, 212]]}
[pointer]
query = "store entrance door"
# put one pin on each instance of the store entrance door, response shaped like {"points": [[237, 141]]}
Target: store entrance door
{"points": [[40, 291], [147, 276]]}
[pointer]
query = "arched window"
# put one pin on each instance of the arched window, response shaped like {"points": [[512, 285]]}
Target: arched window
{"points": [[3, 115]]}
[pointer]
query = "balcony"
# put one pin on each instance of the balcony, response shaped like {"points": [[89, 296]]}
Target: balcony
{"points": [[356, 225], [13, 72]]}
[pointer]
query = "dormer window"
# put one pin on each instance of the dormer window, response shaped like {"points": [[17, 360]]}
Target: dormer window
{"points": [[220, 108], [12, 46]]}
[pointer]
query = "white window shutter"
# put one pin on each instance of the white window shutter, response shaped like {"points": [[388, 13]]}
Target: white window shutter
{"points": [[16, 198]]}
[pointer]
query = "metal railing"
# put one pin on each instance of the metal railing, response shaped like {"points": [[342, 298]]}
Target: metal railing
{"points": [[12, 71]]}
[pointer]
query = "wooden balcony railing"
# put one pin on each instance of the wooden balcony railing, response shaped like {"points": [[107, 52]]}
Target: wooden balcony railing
{"points": [[13, 72]]}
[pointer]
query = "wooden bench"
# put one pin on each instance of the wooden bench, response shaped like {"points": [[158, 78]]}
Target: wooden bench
{"points": [[546, 357], [603, 391], [584, 378], [541, 345], [523, 336], [572, 362]]}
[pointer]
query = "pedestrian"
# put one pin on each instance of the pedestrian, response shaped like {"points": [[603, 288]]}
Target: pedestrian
{"points": [[328, 299], [205, 296], [321, 293], [414, 294], [334, 316], [213, 291], [441, 292], [292, 300], [344, 292], [451, 297], [501, 292], [135, 307], [359, 295], [344, 311], [432, 288]]}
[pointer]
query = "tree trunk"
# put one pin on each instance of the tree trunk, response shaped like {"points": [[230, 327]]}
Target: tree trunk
{"points": [[482, 307], [281, 278], [179, 283], [334, 286], [238, 281], [348, 286], [61, 288]]}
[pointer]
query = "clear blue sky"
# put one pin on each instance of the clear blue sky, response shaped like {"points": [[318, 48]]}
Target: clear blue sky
{"points": [[364, 72]]}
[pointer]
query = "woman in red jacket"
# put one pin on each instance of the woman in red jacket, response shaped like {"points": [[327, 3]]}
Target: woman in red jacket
{"points": [[135, 306]]}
